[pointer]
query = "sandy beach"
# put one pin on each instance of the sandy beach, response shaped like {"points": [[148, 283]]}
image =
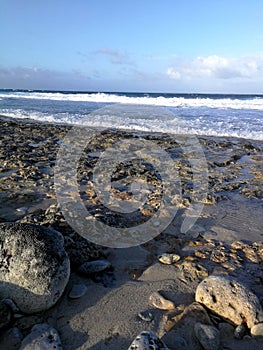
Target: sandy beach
{"points": [[226, 238]]}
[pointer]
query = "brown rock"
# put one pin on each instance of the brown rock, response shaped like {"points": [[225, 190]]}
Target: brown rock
{"points": [[229, 299]]}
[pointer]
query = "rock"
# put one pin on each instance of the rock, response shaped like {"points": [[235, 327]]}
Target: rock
{"points": [[193, 271], [147, 341], [41, 337], [207, 335], [218, 256], [183, 326], [240, 331], [26, 322], [34, 268], [6, 314], [226, 330], [77, 291], [257, 330], [158, 301], [145, 316], [11, 339], [179, 343], [168, 259], [229, 299], [11, 304], [93, 267], [251, 255]]}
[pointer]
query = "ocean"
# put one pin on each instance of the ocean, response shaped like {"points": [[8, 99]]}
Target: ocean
{"points": [[199, 114]]}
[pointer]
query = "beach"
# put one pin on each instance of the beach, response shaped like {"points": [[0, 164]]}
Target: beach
{"points": [[106, 317]]}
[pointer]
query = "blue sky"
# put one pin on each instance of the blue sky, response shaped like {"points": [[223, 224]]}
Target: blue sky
{"points": [[132, 45]]}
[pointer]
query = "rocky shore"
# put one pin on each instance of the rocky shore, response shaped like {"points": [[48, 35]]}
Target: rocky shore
{"points": [[199, 290]]}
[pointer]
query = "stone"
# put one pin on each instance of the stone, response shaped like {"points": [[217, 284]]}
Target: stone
{"points": [[257, 330], [146, 316], [158, 301], [11, 304], [183, 326], [93, 267], [168, 259], [11, 339], [226, 329], [229, 299], [42, 337], [180, 343], [193, 271], [240, 331], [77, 291], [147, 341], [251, 255], [208, 336], [34, 267]]}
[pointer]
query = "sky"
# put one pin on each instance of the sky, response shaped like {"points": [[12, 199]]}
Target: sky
{"points": [[209, 46]]}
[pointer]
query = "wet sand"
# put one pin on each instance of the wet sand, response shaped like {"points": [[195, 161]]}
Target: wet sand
{"points": [[107, 316]]}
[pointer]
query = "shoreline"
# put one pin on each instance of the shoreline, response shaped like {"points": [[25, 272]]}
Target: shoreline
{"points": [[106, 318], [125, 131]]}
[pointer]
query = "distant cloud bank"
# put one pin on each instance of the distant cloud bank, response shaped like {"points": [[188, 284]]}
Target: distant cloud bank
{"points": [[216, 67]]}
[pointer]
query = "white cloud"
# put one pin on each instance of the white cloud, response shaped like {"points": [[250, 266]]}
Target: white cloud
{"points": [[173, 74], [39, 78], [218, 67]]}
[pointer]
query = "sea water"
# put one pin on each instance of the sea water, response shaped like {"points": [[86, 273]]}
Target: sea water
{"points": [[200, 114]]}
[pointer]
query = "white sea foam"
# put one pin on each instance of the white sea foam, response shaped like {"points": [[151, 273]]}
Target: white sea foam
{"points": [[215, 115], [254, 103], [200, 126]]}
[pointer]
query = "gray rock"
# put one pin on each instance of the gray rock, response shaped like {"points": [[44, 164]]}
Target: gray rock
{"points": [[34, 267], [93, 267], [257, 330], [42, 337], [208, 336], [147, 341], [241, 331], [226, 330], [145, 316], [11, 339], [229, 299], [11, 304], [183, 327], [158, 301], [77, 291], [180, 343]]}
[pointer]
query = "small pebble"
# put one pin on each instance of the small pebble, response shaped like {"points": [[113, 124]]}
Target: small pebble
{"points": [[41, 337], [158, 301], [257, 330], [147, 341], [168, 259], [145, 316], [240, 331], [77, 291], [208, 336], [93, 267], [22, 210]]}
